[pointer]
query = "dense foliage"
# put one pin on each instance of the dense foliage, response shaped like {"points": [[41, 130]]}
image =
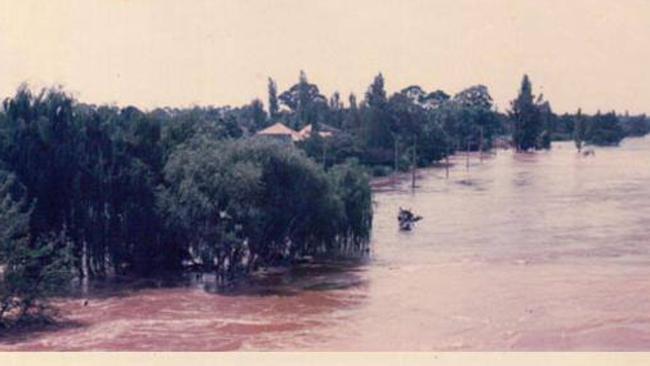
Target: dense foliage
{"points": [[239, 205], [531, 119], [93, 191], [30, 271], [412, 126]]}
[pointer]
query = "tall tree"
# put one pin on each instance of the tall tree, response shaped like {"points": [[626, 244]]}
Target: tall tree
{"points": [[305, 101], [274, 107], [352, 121], [377, 120], [376, 94], [336, 110], [526, 117], [257, 115]]}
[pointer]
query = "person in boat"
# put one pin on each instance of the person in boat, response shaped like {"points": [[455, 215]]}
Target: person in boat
{"points": [[406, 219]]}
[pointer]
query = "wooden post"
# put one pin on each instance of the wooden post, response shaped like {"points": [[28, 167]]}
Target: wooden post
{"points": [[467, 154], [413, 164], [447, 164], [481, 146], [395, 167]]}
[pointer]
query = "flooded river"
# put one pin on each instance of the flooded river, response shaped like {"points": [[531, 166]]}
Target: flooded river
{"points": [[544, 251]]}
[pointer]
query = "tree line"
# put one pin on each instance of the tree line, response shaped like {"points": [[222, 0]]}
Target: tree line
{"points": [[414, 126]]}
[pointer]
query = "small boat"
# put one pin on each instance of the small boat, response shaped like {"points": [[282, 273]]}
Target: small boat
{"points": [[407, 219]]}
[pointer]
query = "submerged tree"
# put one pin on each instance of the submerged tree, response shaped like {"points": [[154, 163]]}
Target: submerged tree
{"points": [[30, 270], [547, 120], [241, 205], [579, 130], [526, 116], [604, 129]]}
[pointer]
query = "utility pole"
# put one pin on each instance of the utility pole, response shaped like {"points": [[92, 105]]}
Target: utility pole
{"points": [[481, 146], [467, 163], [448, 151], [447, 164], [414, 162], [324, 153], [395, 167]]}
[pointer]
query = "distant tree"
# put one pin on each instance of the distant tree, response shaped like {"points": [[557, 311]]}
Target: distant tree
{"points": [[256, 113], [274, 107], [376, 94], [436, 98], [305, 101], [407, 120], [604, 129], [548, 121], [471, 118], [352, 122], [526, 117], [414, 93], [635, 125], [474, 97], [407, 115], [376, 130], [230, 128], [563, 127], [336, 110]]}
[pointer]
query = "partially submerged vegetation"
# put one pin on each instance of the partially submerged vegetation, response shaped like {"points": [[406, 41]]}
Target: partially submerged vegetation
{"points": [[30, 271], [240, 205], [93, 191]]}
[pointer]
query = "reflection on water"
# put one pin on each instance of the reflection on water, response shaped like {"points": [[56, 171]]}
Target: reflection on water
{"points": [[544, 251]]}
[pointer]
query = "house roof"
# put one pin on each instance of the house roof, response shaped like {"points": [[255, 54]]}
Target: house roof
{"points": [[282, 130], [325, 131]]}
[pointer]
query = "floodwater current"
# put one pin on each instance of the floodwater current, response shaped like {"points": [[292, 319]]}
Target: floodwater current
{"points": [[539, 251]]}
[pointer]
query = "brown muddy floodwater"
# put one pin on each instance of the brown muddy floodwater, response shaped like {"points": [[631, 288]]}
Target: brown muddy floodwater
{"points": [[544, 251]]}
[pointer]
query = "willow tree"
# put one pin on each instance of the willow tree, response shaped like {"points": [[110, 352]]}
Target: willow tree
{"points": [[245, 204]]}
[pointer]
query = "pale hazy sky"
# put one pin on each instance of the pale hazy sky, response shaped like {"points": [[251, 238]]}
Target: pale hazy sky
{"points": [[589, 54]]}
